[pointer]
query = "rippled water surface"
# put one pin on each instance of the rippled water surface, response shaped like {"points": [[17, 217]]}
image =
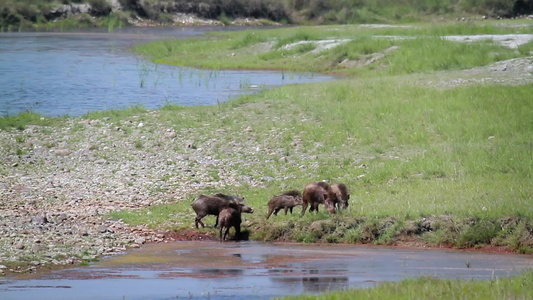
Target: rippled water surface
{"points": [[250, 270], [72, 73]]}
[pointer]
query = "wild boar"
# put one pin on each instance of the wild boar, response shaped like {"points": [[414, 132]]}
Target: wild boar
{"points": [[342, 194], [287, 201], [316, 193], [205, 205]]}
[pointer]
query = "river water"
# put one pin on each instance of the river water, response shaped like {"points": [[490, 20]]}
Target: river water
{"points": [[72, 73], [251, 270]]}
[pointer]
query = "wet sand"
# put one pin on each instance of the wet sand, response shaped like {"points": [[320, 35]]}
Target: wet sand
{"points": [[250, 270]]}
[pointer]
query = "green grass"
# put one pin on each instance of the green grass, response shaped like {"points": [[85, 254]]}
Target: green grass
{"points": [[422, 51], [517, 287], [162, 216], [22, 120], [116, 115], [459, 157]]}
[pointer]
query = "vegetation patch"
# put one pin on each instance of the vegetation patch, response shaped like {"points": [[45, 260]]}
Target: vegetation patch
{"points": [[424, 165], [352, 50], [518, 287], [74, 13]]}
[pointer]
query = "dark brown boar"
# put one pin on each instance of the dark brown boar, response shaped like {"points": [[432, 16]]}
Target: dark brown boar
{"points": [[205, 205], [229, 217], [287, 201], [341, 192], [316, 193]]}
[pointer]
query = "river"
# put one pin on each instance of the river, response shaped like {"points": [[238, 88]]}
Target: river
{"points": [[251, 270], [73, 73]]}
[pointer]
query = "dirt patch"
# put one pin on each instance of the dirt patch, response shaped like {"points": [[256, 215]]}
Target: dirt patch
{"points": [[187, 235], [366, 60]]}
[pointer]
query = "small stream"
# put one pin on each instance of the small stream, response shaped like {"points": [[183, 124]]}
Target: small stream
{"points": [[72, 73], [251, 270]]}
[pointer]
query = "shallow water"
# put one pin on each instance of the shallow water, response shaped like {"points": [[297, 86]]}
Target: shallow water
{"points": [[72, 73], [250, 270]]}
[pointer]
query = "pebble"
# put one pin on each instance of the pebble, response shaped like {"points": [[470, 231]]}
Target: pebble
{"points": [[60, 199]]}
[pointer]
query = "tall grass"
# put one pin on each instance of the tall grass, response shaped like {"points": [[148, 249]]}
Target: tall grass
{"points": [[435, 54], [517, 287]]}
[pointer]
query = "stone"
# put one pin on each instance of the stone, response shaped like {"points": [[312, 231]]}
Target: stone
{"points": [[39, 219], [62, 152], [102, 229], [171, 134], [61, 218], [140, 240]]}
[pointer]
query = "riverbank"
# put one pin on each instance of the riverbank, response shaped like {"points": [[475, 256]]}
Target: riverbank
{"points": [[438, 162], [20, 14], [62, 179]]}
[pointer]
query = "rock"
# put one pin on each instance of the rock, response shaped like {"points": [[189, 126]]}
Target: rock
{"points": [[83, 8], [62, 152], [171, 134], [102, 229], [140, 240], [62, 217], [39, 219], [19, 246], [115, 5]]}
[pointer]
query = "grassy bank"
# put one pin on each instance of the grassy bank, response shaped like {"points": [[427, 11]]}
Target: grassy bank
{"points": [[441, 167], [519, 287], [360, 51]]}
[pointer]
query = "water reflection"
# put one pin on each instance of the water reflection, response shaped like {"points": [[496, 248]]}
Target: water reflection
{"points": [[213, 272], [315, 281], [248, 270]]}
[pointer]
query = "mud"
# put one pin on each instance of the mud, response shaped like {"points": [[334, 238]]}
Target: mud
{"points": [[250, 270]]}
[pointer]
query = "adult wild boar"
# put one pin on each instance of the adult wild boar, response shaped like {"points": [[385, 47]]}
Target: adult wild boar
{"points": [[205, 205], [342, 195], [316, 193], [287, 201]]}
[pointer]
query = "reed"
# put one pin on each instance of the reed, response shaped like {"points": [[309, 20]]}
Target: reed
{"points": [[517, 287]]}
